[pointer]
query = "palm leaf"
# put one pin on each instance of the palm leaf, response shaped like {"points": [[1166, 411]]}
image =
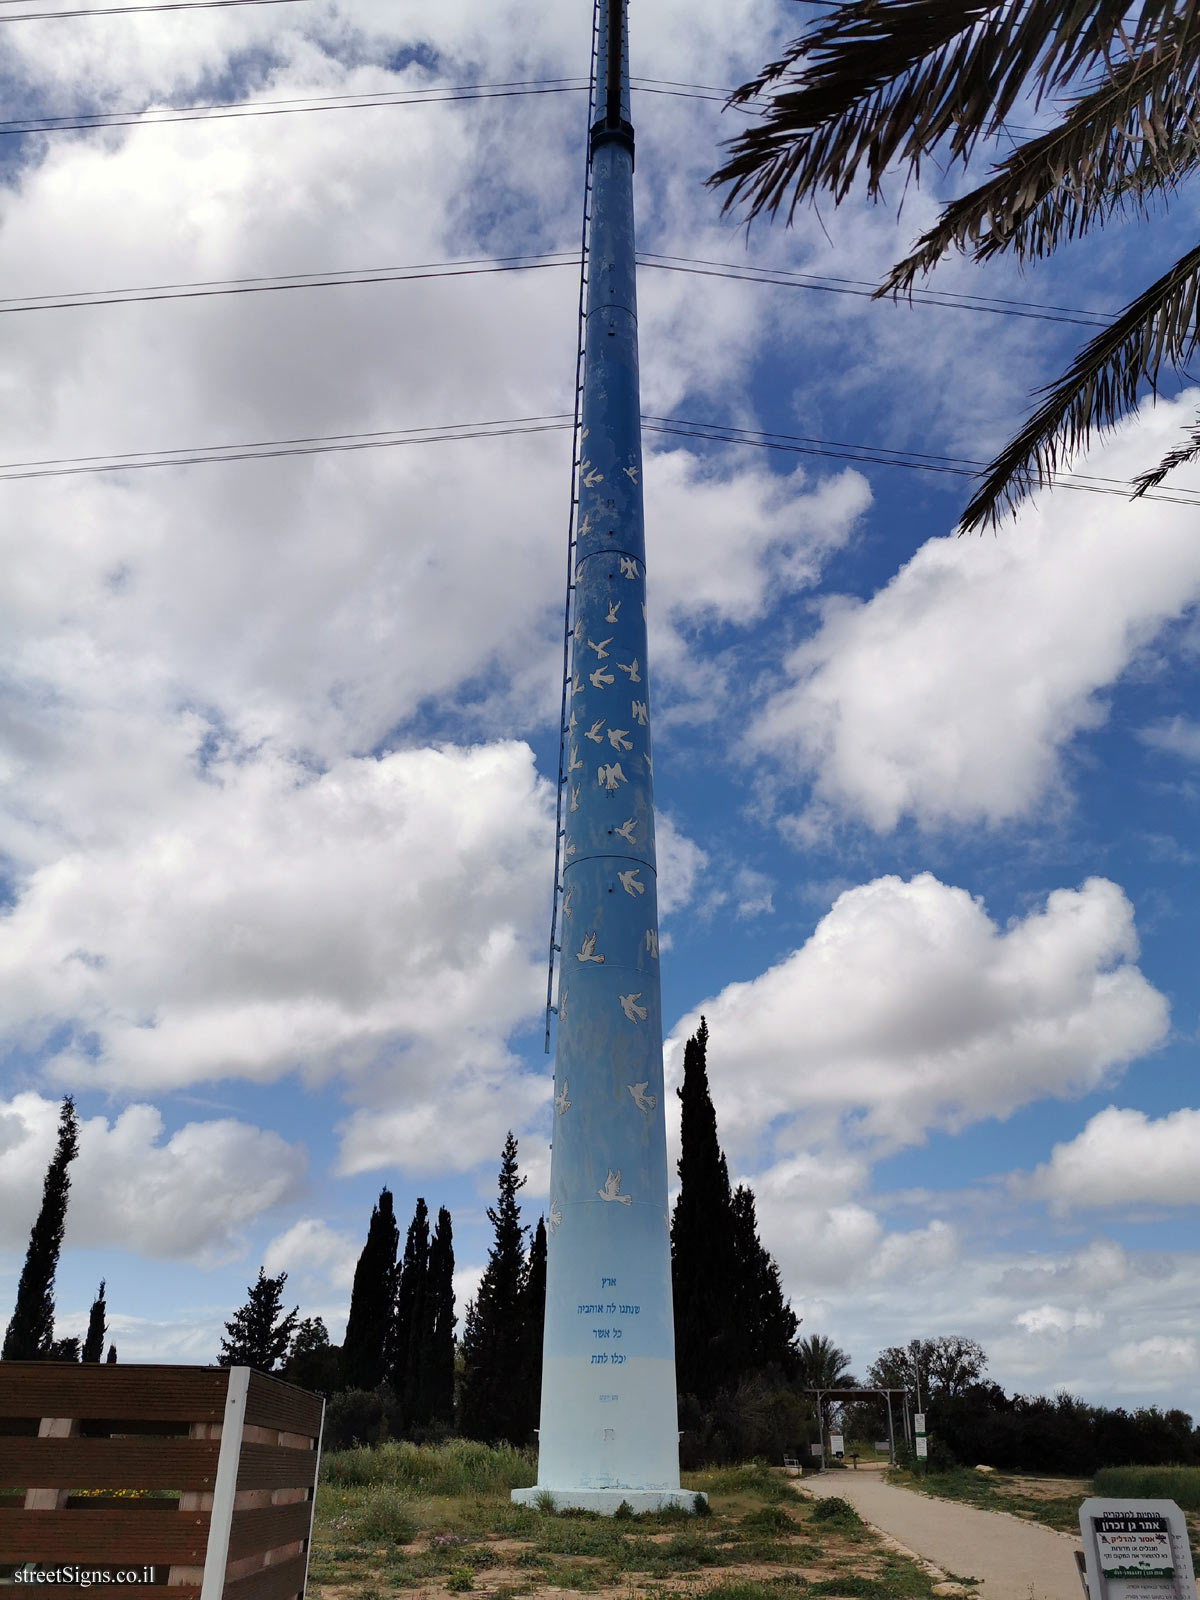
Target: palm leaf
{"points": [[881, 81], [1098, 389], [1136, 135], [1172, 459]]}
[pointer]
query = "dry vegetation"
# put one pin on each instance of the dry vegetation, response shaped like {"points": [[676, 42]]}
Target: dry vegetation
{"points": [[399, 1521]]}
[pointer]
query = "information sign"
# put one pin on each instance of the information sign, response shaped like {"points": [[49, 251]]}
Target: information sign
{"points": [[1134, 1546], [919, 1422], [922, 1446], [1136, 1550], [837, 1447]]}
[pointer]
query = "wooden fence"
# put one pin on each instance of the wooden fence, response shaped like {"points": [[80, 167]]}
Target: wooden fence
{"points": [[235, 1451]]}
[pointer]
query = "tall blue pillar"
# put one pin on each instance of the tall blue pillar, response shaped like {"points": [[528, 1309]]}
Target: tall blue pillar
{"points": [[609, 1425]]}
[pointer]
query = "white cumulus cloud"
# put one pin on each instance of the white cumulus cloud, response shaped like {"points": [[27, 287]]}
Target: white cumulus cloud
{"points": [[951, 694], [1122, 1158], [911, 1009], [191, 1197]]}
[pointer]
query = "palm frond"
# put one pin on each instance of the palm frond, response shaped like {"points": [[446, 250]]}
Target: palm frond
{"points": [[1172, 459], [1100, 387], [1135, 135], [880, 81]]}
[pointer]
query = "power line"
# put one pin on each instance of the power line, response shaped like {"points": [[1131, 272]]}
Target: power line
{"points": [[503, 427], [221, 110], [467, 268], [224, 110], [881, 456], [120, 11], [474, 266]]}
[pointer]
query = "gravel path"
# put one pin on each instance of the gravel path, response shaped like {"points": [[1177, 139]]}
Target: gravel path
{"points": [[1014, 1559]]}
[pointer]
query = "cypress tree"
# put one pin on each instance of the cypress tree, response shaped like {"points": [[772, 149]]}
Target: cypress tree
{"points": [[766, 1323], [435, 1395], [490, 1405], [30, 1334], [93, 1345], [411, 1333], [371, 1300], [259, 1333], [703, 1246], [533, 1321], [112, 1355], [64, 1350]]}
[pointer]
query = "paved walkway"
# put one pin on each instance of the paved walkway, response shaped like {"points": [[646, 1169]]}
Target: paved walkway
{"points": [[1014, 1559]]}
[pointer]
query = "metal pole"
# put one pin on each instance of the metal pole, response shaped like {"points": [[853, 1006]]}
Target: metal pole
{"points": [[891, 1431], [609, 1423]]}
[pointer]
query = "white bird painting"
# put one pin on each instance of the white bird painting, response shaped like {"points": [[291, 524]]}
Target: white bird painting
{"points": [[554, 1222], [628, 566], [652, 943], [574, 722], [570, 849], [585, 527], [632, 670], [601, 648], [590, 476], [575, 798], [574, 764], [576, 686], [629, 881], [594, 733], [612, 1189], [613, 607], [648, 761], [610, 776], [578, 630], [587, 950], [567, 898], [642, 1100], [631, 473], [629, 1006], [641, 713], [599, 678], [561, 1103], [626, 831], [562, 1004], [619, 739]]}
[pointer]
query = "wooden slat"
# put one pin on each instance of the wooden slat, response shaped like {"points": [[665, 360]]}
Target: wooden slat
{"points": [[270, 1583], [71, 1389], [110, 1591], [268, 1528], [274, 1404], [272, 1466], [109, 1463], [110, 1538]]}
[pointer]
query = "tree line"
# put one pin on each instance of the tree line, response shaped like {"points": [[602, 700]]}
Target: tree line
{"points": [[745, 1377]]}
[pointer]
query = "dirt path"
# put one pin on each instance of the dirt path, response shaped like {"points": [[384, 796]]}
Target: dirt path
{"points": [[1013, 1560]]}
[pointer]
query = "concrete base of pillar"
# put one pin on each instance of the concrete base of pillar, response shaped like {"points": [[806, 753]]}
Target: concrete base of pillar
{"points": [[606, 1501]]}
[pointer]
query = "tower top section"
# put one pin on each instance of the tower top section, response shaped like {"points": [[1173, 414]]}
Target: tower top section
{"points": [[613, 124]]}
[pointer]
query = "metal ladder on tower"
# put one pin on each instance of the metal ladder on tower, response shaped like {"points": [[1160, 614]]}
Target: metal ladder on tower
{"points": [[572, 530]]}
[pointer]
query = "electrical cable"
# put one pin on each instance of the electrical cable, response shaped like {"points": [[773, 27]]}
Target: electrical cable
{"points": [[120, 11], [681, 427], [220, 110], [781, 277]]}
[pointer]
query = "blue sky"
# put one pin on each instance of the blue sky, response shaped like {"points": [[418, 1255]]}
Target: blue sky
{"points": [[279, 736]]}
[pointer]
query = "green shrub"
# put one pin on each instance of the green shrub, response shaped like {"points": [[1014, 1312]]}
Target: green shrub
{"points": [[456, 1468], [1181, 1484], [460, 1581], [768, 1519], [384, 1512], [835, 1509]]}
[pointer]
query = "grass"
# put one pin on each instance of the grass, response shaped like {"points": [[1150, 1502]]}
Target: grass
{"points": [[1181, 1484], [437, 1520]]}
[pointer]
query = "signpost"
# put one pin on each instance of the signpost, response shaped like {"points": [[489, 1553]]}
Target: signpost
{"points": [[1136, 1550], [919, 1431]]}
